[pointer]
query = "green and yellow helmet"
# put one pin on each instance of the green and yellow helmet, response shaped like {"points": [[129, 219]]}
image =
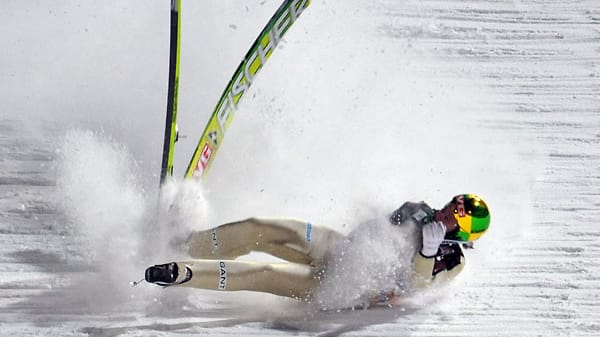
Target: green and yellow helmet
{"points": [[472, 216]]}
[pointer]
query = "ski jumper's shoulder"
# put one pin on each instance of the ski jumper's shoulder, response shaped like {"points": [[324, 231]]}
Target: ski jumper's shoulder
{"points": [[418, 212]]}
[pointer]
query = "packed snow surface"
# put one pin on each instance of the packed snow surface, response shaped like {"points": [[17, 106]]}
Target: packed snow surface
{"points": [[364, 105]]}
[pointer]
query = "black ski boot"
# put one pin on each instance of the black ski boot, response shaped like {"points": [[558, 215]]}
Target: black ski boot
{"points": [[167, 274]]}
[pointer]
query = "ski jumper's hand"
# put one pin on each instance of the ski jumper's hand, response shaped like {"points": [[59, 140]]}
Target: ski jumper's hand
{"points": [[433, 235]]}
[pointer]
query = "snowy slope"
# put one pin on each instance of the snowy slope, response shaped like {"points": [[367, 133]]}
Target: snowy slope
{"points": [[363, 106]]}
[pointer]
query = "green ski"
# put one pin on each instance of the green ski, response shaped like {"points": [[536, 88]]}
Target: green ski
{"points": [[171, 120], [243, 77]]}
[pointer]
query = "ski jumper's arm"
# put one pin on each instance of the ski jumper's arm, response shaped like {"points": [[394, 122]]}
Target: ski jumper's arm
{"points": [[289, 239]]}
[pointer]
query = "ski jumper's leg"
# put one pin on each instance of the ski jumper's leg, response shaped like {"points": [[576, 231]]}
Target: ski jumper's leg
{"points": [[284, 279], [289, 239]]}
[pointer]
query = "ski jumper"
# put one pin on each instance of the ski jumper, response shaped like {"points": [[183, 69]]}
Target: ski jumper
{"points": [[302, 245]]}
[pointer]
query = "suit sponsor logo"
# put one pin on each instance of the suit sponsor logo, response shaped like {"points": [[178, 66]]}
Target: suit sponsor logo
{"points": [[308, 232], [222, 276], [213, 236]]}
